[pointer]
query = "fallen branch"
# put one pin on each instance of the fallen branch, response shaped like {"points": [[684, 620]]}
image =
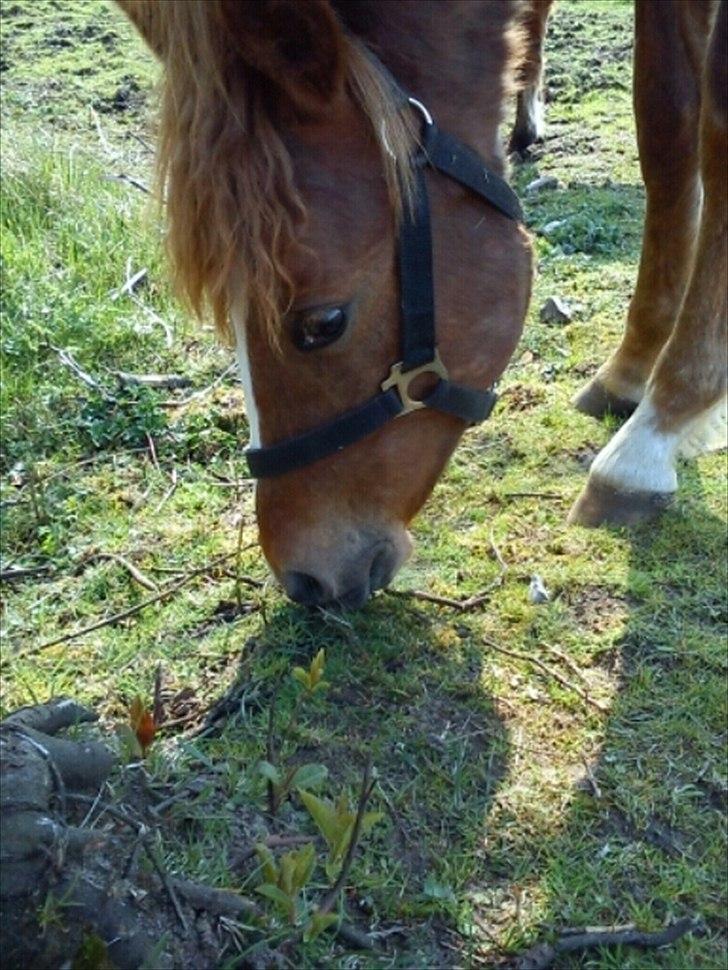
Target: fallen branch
{"points": [[518, 655], [136, 574], [462, 606], [164, 382], [117, 617], [219, 902], [13, 574], [543, 955]]}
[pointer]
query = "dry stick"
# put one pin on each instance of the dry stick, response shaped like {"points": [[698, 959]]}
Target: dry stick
{"points": [[130, 180], [543, 955], [69, 361], [201, 393], [110, 620], [168, 337], [135, 573], [586, 697], [130, 282], [367, 786], [169, 493], [10, 575], [566, 659], [165, 382], [549, 495]]}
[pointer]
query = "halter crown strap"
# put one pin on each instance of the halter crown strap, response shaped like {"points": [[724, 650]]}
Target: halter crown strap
{"points": [[417, 313]]}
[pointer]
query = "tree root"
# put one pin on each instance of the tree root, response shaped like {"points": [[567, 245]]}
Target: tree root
{"points": [[542, 956]]}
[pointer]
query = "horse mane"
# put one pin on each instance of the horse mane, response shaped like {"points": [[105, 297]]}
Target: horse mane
{"points": [[226, 175]]}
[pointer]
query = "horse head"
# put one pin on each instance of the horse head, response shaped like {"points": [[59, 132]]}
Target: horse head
{"points": [[289, 161]]}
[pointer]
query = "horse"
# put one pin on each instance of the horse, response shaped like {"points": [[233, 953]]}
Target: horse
{"points": [[335, 193], [528, 128]]}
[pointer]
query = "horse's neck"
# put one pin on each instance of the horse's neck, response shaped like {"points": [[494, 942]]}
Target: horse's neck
{"points": [[451, 56]]}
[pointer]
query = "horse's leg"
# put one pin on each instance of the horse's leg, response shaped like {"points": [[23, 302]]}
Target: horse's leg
{"points": [[683, 410], [667, 66], [529, 126]]}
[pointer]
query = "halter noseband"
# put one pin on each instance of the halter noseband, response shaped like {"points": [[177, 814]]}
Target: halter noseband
{"points": [[417, 316]]}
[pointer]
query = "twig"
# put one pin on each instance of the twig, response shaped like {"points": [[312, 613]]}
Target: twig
{"points": [[548, 495], [130, 283], [166, 382], [542, 955], [462, 606], [153, 452], [19, 572], [518, 655], [130, 180], [167, 883], [69, 361], [497, 553], [100, 132], [135, 573], [565, 659], [170, 491], [142, 142], [116, 617], [591, 778], [155, 317], [367, 786], [202, 392]]}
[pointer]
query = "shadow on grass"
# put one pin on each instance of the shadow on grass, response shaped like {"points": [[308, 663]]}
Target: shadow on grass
{"points": [[405, 689], [643, 840]]}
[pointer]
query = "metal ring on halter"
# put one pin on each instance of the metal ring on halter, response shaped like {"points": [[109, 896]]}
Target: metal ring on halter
{"points": [[422, 110]]}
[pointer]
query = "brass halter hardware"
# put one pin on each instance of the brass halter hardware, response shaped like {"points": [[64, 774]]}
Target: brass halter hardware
{"points": [[402, 381]]}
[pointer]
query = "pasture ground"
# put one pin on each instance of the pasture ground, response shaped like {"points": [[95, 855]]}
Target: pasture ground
{"points": [[512, 805]]}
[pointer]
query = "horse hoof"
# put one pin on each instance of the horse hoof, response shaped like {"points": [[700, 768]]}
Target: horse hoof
{"points": [[602, 504], [596, 401]]}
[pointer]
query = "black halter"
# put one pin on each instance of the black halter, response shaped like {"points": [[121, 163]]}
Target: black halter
{"points": [[417, 313]]}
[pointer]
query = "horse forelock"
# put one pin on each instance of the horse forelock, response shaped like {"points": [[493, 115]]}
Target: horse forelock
{"points": [[233, 208]]}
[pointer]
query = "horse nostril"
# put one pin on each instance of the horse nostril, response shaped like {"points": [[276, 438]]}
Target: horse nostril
{"points": [[305, 589], [380, 572]]}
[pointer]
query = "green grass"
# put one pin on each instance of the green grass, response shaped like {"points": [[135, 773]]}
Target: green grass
{"points": [[493, 829]]}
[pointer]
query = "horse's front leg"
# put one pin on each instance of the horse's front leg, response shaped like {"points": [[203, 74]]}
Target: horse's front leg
{"points": [[529, 124], [667, 66], [683, 410]]}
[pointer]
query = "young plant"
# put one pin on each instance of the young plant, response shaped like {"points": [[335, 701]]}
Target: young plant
{"points": [[286, 878], [336, 822], [281, 780]]}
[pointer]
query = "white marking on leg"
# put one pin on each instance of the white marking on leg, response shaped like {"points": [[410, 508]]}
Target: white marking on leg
{"points": [[641, 458], [707, 432], [246, 376], [533, 107]]}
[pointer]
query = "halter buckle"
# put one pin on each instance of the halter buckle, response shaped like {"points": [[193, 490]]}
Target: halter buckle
{"points": [[402, 381]]}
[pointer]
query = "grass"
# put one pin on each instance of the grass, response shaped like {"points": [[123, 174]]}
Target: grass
{"points": [[494, 829]]}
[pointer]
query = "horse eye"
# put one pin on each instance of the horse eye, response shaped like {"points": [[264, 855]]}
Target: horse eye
{"points": [[318, 327]]}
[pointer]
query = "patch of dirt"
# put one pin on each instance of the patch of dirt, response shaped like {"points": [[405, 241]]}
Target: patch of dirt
{"points": [[522, 397], [129, 96], [595, 607]]}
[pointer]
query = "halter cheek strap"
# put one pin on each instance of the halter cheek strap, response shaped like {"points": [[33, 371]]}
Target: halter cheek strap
{"points": [[417, 314]]}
